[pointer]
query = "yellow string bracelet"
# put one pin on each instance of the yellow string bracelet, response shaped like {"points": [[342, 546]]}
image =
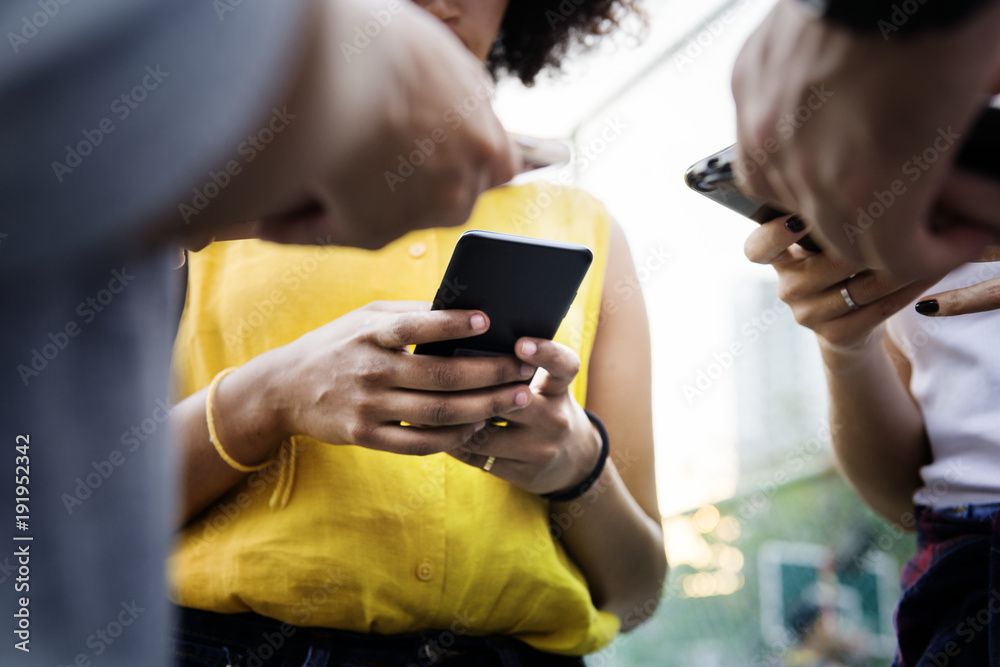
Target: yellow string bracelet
{"points": [[214, 437]]}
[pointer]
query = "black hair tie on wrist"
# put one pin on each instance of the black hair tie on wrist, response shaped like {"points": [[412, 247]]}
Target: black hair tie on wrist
{"points": [[584, 486]]}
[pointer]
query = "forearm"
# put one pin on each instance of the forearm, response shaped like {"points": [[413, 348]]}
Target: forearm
{"points": [[877, 428], [618, 547], [244, 423], [266, 179]]}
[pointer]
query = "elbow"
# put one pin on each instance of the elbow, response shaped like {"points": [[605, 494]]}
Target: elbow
{"points": [[639, 602], [900, 515]]}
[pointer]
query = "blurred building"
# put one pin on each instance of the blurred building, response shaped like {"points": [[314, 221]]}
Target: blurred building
{"points": [[781, 403]]}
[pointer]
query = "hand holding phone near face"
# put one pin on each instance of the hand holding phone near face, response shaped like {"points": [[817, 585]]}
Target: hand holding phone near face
{"points": [[714, 176]]}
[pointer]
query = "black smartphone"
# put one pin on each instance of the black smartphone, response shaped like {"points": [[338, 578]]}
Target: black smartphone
{"points": [[525, 286], [713, 176]]}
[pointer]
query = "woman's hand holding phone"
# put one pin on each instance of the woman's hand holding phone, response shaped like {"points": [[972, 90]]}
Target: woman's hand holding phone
{"points": [[813, 286], [550, 445], [353, 380]]}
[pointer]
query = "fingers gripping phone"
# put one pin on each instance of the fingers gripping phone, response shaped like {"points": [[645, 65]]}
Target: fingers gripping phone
{"points": [[524, 285], [714, 177]]}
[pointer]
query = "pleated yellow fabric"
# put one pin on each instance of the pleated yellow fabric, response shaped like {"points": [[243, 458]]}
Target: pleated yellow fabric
{"points": [[349, 538]]}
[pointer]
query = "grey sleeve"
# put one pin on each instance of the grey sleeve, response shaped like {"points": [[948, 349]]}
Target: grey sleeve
{"points": [[87, 465], [110, 109]]}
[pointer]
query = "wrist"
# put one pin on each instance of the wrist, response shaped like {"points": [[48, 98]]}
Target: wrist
{"points": [[848, 358], [245, 415], [590, 454], [596, 469]]}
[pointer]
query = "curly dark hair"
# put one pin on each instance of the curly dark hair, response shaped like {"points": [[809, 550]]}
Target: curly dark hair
{"points": [[537, 34]]}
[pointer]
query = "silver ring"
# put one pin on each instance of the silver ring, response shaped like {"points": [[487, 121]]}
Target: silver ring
{"points": [[851, 303], [489, 463]]}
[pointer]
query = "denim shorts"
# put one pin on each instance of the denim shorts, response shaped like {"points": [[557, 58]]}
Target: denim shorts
{"points": [[208, 639], [949, 612]]}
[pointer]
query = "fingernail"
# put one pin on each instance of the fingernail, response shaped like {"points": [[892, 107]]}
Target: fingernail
{"points": [[795, 224], [480, 426], [527, 370], [521, 398], [478, 322], [529, 348], [928, 307]]}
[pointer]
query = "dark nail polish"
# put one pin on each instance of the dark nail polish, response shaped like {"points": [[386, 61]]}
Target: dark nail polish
{"points": [[795, 224], [928, 307]]}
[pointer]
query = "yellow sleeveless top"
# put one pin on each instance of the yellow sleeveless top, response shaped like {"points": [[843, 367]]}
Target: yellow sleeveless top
{"points": [[354, 539]]}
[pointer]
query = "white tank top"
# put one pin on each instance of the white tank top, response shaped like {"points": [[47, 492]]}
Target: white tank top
{"points": [[956, 381]]}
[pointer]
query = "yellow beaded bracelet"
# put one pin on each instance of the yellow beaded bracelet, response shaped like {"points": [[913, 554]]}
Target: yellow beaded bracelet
{"points": [[214, 437]]}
